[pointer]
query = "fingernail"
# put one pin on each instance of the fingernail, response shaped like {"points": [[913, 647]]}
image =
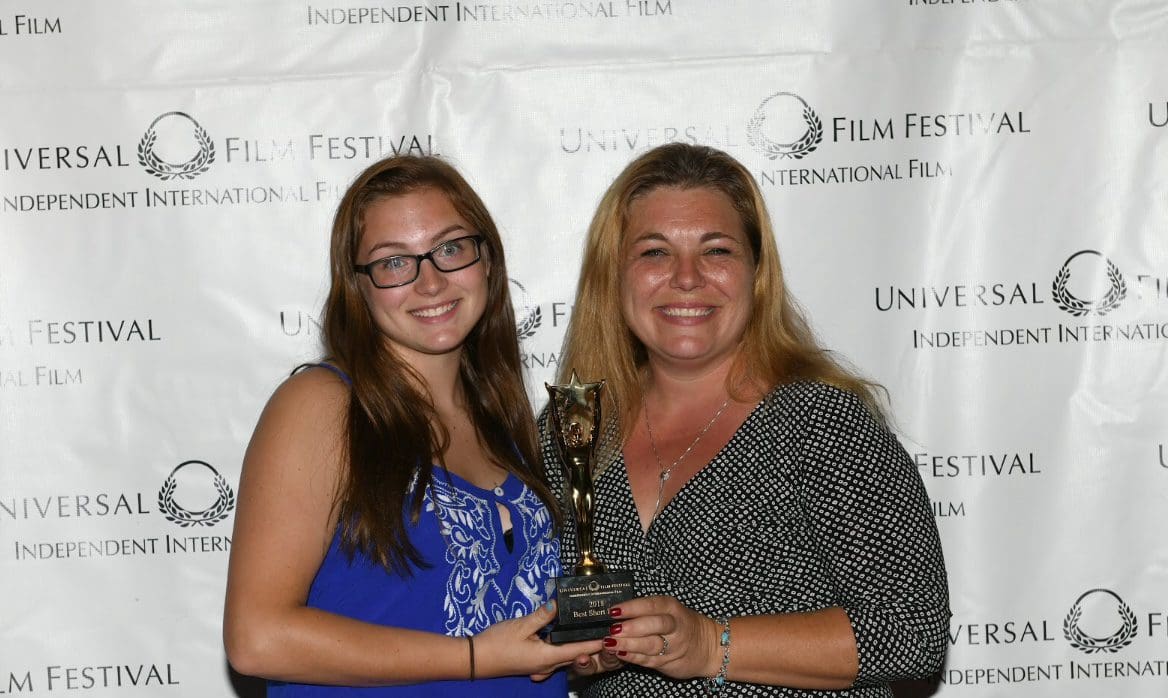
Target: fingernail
{"points": [[621, 653], [615, 630], [614, 612], [550, 605], [609, 642]]}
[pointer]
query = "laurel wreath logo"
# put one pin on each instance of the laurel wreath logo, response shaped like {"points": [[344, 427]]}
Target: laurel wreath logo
{"points": [[807, 143], [1114, 642], [165, 171], [529, 324], [173, 511], [1078, 307]]}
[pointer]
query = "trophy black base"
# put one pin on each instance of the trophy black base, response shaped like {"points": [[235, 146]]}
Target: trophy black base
{"points": [[583, 602]]}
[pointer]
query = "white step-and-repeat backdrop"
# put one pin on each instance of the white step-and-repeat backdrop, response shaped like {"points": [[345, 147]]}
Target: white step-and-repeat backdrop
{"points": [[970, 196]]}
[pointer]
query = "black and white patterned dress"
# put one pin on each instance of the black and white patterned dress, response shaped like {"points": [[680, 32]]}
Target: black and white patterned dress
{"points": [[812, 504]]}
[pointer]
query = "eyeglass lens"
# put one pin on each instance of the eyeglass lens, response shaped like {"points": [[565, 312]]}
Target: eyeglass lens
{"points": [[450, 255]]}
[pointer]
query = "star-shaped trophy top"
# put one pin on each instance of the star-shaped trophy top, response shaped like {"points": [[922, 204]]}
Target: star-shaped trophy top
{"points": [[576, 409], [575, 392]]}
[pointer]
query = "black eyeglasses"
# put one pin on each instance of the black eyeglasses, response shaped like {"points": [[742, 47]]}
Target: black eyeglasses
{"points": [[402, 269]]}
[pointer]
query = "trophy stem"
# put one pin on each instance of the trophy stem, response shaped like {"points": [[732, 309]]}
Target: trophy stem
{"points": [[579, 475]]}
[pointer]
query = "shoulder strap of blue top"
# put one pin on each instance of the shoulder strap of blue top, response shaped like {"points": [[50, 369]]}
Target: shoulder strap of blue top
{"points": [[341, 374]]}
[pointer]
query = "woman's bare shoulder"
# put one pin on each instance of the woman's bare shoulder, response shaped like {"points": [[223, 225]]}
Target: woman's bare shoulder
{"points": [[313, 393]]}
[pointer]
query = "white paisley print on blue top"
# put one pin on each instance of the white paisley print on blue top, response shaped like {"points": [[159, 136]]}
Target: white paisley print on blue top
{"points": [[477, 595]]}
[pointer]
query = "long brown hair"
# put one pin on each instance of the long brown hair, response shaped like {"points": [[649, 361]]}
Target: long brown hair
{"points": [[778, 345], [393, 432]]}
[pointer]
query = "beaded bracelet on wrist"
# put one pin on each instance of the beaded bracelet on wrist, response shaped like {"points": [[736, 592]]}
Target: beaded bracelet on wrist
{"points": [[717, 681]]}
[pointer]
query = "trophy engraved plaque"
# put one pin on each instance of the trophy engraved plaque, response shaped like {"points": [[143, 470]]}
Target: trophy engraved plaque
{"points": [[583, 598]]}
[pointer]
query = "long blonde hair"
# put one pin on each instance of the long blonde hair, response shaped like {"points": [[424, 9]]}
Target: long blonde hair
{"points": [[778, 345]]}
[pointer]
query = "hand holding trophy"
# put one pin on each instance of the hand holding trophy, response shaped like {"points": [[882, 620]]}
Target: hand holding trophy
{"points": [[585, 597]]}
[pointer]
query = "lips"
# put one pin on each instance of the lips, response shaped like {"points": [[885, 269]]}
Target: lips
{"points": [[434, 311]]}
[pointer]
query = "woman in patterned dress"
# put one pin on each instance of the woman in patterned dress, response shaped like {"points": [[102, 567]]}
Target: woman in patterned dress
{"points": [[781, 539], [392, 536]]}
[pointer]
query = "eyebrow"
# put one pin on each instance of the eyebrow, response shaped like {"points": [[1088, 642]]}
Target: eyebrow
{"points": [[706, 237], [434, 239]]}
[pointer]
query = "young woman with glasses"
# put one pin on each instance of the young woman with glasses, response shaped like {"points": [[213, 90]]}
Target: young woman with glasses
{"points": [[392, 529]]}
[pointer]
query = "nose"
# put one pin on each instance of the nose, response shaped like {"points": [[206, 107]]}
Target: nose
{"points": [[687, 272], [430, 281]]}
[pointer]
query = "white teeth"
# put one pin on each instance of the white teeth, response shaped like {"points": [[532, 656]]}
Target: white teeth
{"points": [[434, 312], [687, 312]]}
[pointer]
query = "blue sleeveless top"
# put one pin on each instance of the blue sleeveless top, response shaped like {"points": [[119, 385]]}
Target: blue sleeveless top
{"points": [[472, 582]]}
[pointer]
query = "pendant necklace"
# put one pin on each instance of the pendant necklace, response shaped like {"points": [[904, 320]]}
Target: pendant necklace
{"points": [[666, 472]]}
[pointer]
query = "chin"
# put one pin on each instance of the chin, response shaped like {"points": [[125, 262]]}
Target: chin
{"points": [[687, 350], [439, 347]]}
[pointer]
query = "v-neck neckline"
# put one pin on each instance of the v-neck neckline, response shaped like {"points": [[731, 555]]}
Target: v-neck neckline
{"points": [[665, 506]]}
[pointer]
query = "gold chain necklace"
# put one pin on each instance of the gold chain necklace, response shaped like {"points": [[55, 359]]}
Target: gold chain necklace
{"points": [[664, 472]]}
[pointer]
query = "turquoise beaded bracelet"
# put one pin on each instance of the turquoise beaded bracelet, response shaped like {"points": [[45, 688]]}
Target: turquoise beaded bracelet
{"points": [[717, 681]]}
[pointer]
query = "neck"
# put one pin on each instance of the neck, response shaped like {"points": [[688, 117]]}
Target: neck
{"points": [[669, 388], [439, 376]]}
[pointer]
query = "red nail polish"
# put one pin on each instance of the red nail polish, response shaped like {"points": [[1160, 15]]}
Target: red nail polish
{"points": [[621, 653], [615, 630], [614, 612], [609, 642]]}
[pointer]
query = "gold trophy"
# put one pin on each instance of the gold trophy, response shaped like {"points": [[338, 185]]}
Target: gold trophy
{"points": [[584, 598]]}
